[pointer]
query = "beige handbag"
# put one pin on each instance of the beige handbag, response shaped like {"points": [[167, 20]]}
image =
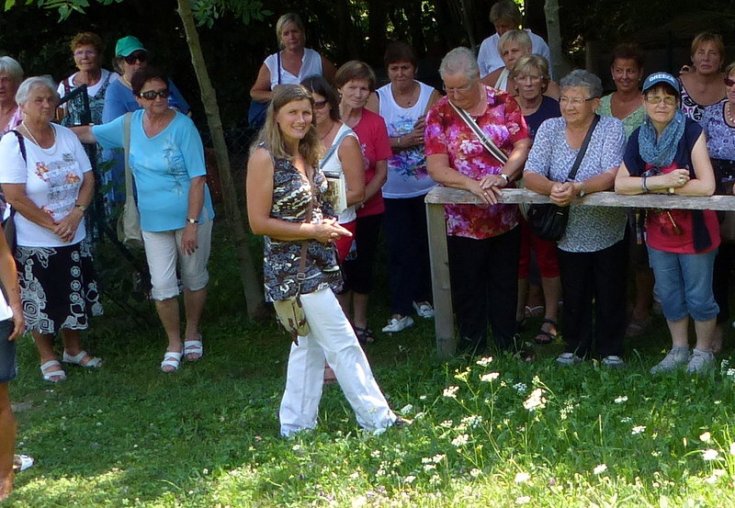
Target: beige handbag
{"points": [[128, 223]]}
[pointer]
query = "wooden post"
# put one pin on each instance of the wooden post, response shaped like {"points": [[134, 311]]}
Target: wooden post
{"points": [[439, 196], [446, 343]]}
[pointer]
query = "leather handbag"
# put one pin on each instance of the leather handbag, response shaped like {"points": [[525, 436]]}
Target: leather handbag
{"points": [[128, 224], [549, 221]]}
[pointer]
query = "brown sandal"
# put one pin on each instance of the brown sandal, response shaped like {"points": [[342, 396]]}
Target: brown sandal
{"points": [[543, 337]]}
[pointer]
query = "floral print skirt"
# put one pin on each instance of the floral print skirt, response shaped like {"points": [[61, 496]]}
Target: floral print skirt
{"points": [[57, 287]]}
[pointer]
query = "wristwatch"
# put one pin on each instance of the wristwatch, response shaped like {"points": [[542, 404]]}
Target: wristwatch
{"points": [[581, 191], [504, 177], [191, 221]]}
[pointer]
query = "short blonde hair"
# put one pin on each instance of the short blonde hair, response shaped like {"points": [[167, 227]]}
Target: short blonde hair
{"points": [[518, 36], [289, 17], [532, 62]]}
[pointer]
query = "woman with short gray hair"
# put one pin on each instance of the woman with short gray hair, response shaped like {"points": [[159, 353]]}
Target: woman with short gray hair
{"points": [[47, 179], [592, 253], [11, 74]]}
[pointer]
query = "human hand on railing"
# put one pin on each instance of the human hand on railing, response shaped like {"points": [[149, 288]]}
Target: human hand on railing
{"points": [[562, 194], [486, 189]]}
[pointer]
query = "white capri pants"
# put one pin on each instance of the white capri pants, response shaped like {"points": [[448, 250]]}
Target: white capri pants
{"points": [[332, 337], [163, 250]]}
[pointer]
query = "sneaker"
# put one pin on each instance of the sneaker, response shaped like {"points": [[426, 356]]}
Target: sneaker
{"points": [[677, 357], [424, 309], [700, 361], [396, 324], [568, 359], [613, 361], [22, 462]]}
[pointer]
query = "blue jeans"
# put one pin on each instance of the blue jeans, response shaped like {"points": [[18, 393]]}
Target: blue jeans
{"points": [[684, 284], [8, 369]]}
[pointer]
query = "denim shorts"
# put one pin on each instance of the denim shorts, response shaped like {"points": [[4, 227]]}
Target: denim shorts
{"points": [[684, 284], [8, 368]]}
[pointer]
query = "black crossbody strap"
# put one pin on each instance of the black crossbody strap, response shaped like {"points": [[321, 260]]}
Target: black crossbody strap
{"points": [[583, 148], [488, 143]]}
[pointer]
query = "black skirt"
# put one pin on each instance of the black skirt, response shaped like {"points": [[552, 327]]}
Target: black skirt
{"points": [[57, 287]]}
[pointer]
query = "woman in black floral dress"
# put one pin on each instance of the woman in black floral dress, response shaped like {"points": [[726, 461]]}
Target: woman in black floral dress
{"points": [[282, 180]]}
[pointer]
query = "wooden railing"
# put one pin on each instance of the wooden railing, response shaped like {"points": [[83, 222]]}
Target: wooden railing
{"points": [[439, 196]]}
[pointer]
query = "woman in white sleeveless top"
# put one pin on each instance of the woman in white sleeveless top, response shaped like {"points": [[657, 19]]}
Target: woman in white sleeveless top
{"points": [[292, 63], [403, 104]]}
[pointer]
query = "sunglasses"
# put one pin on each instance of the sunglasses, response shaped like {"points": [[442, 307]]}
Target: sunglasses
{"points": [[140, 56], [319, 104], [152, 94], [729, 82]]}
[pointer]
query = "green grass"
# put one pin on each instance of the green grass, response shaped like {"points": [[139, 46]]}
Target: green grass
{"points": [[207, 436]]}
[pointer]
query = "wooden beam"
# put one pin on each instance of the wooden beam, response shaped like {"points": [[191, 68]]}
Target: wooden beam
{"points": [[445, 195], [439, 196]]}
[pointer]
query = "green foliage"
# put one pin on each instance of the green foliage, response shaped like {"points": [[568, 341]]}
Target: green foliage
{"points": [[206, 12]]}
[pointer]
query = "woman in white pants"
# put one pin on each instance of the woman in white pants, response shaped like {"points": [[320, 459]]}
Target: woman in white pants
{"points": [[284, 188]]}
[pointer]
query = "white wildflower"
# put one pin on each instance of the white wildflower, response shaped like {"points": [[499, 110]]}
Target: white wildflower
{"points": [[475, 473], [716, 474], [599, 469], [407, 409], [638, 429], [460, 440], [520, 388], [429, 467], [447, 424], [523, 500], [438, 458], [535, 401], [472, 421], [621, 399], [451, 392], [705, 437], [375, 454], [484, 362], [522, 477], [409, 479], [709, 454], [423, 397], [490, 377], [626, 419], [730, 373]]}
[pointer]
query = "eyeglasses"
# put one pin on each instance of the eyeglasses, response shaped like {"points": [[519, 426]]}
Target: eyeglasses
{"points": [[140, 56], [574, 101], [152, 94], [319, 104], [729, 82], [656, 100], [459, 89], [85, 52]]}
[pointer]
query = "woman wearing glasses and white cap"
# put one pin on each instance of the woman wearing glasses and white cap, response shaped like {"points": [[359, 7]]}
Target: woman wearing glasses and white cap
{"points": [[668, 154]]}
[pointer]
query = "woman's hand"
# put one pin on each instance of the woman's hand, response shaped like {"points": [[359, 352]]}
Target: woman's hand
{"points": [[487, 189], [19, 323], [66, 228], [189, 241], [562, 194], [330, 231], [676, 178]]}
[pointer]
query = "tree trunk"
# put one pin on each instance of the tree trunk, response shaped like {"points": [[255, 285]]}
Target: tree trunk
{"points": [[250, 281], [553, 27]]}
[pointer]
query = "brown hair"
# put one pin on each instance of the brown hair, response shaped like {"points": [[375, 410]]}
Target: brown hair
{"points": [[505, 10], [144, 75], [271, 135], [87, 39], [399, 51], [703, 37], [355, 69], [317, 84], [627, 51]]}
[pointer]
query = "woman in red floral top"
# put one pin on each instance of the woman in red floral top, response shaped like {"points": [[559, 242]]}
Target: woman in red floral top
{"points": [[483, 240]]}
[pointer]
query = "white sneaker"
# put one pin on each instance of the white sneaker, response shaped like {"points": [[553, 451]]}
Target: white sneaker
{"points": [[613, 361], [675, 358], [424, 309], [568, 359], [397, 324]]}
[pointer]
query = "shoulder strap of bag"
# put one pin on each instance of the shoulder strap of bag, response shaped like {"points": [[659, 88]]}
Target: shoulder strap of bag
{"points": [[334, 147], [278, 58], [583, 148], [486, 142], [304, 245], [126, 147], [21, 144]]}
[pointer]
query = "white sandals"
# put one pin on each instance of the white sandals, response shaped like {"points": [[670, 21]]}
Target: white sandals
{"points": [[52, 372], [193, 347], [171, 359], [83, 359]]}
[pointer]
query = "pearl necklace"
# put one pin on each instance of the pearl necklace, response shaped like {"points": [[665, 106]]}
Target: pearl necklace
{"points": [[30, 134], [728, 114]]}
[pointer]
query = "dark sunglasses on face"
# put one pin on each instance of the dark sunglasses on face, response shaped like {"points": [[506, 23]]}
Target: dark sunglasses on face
{"points": [[729, 82], [319, 104], [152, 94], [140, 56]]}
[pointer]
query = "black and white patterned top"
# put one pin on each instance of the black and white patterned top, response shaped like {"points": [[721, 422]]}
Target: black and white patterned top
{"points": [[590, 228], [291, 196]]}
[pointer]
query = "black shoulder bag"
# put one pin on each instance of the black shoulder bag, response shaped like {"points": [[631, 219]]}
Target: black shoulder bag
{"points": [[549, 221]]}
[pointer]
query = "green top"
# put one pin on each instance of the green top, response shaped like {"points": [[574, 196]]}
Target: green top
{"points": [[630, 122]]}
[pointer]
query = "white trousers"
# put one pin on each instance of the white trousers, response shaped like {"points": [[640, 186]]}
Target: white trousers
{"points": [[332, 338]]}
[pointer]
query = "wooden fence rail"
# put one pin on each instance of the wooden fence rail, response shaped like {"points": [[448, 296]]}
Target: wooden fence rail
{"points": [[439, 196]]}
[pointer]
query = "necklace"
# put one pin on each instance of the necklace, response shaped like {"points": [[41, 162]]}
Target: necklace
{"points": [[126, 82], [30, 134], [326, 134], [728, 113]]}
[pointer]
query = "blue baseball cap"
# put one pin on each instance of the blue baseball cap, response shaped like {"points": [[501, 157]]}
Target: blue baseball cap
{"points": [[658, 78]]}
